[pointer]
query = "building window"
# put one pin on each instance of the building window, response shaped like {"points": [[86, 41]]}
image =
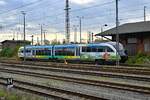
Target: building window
{"points": [[132, 40], [147, 45]]}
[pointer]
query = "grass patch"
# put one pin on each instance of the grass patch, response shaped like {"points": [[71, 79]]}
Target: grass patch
{"points": [[10, 52], [4, 95], [139, 59]]}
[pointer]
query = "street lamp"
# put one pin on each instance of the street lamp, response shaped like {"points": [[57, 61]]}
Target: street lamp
{"points": [[32, 36], [24, 19], [102, 28], [80, 25]]}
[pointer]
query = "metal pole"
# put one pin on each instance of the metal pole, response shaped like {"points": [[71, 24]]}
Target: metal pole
{"points": [[117, 34], [32, 39], [92, 37], [13, 34], [41, 34], [24, 35], [89, 37], [56, 37], [101, 29], [80, 30], [75, 33], [38, 41], [67, 22], [44, 38], [80, 25], [144, 13]]}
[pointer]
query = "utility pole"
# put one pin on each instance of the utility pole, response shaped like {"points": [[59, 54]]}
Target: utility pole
{"points": [[13, 31], [92, 37], [38, 41], [41, 34], [89, 37], [117, 34], [56, 37], [67, 22], [24, 33], [144, 13], [44, 37], [75, 33], [80, 25], [32, 38]]}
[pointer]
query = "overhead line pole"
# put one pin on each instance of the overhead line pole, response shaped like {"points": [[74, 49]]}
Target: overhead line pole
{"points": [[80, 29], [32, 38], [44, 36], [41, 34], [67, 22], [80, 25], [117, 34], [75, 33], [24, 34], [144, 13]]}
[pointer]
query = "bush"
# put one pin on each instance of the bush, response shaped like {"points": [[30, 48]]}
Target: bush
{"points": [[9, 52], [140, 58]]}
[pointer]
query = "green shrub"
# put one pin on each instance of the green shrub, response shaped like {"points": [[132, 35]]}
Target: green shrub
{"points": [[140, 58], [2, 94], [9, 52]]}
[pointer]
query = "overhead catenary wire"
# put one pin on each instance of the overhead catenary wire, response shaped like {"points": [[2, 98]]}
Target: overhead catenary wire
{"points": [[62, 14]]}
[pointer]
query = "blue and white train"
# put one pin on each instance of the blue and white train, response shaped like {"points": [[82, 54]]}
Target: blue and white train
{"points": [[95, 52]]}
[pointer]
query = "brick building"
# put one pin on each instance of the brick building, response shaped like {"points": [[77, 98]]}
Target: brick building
{"points": [[14, 43], [134, 36]]}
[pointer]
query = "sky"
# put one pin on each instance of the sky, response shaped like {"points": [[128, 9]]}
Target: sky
{"points": [[51, 14]]}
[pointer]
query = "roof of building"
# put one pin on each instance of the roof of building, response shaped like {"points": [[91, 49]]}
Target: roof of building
{"points": [[14, 41], [127, 28]]}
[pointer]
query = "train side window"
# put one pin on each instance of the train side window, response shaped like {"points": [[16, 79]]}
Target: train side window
{"points": [[57, 51], [48, 52], [39, 52], [28, 51], [84, 49], [33, 52], [94, 49], [36, 52], [109, 49], [89, 49], [100, 49]]}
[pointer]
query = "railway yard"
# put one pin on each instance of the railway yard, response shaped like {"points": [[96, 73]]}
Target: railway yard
{"points": [[59, 81], [75, 50]]}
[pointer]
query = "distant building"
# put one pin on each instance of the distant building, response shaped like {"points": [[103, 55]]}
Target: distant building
{"points": [[134, 36], [14, 43]]}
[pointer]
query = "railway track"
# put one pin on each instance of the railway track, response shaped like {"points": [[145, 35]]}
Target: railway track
{"points": [[8, 68], [115, 85], [43, 90], [113, 74], [121, 69]]}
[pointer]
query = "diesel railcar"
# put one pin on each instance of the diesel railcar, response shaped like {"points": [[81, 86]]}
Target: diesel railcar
{"points": [[96, 52]]}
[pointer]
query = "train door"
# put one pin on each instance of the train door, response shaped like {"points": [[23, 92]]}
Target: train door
{"points": [[33, 53], [77, 51]]}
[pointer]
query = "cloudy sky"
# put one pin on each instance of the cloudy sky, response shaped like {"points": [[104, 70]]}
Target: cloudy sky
{"points": [[51, 14]]}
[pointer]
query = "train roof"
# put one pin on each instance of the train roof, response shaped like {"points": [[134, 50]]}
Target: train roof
{"points": [[39, 46], [66, 45], [69, 45]]}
